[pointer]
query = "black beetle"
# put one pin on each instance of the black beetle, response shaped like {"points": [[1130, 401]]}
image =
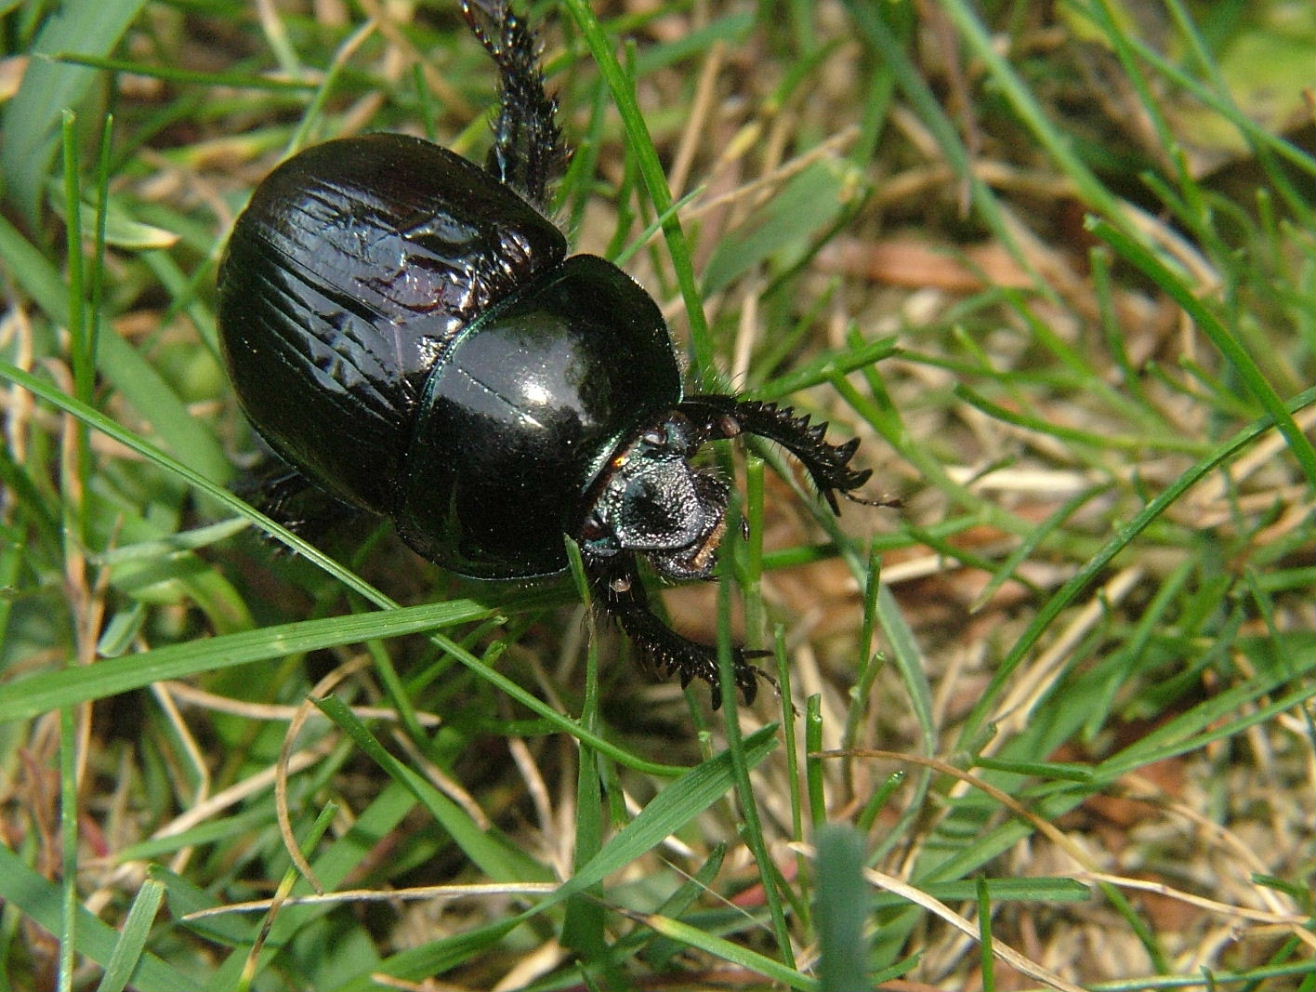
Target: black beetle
{"points": [[406, 330]]}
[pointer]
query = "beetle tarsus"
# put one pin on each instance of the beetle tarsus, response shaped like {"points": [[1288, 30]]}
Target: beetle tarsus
{"points": [[528, 153], [619, 590]]}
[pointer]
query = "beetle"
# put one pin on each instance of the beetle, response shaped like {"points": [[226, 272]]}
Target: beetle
{"points": [[407, 331]]}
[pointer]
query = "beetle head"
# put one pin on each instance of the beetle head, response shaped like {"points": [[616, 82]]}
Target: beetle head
{"points": [[653, 502]]}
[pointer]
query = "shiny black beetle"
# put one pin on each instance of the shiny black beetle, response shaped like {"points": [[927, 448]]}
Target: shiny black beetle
{"points": [[406, 330]]}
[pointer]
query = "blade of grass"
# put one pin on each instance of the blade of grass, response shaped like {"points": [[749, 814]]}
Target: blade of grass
{"points": [[31, 121], [75, 470], [189, 438], [726, 950], [890, 51], [39, 901], [183, 76], [752, 831], [674, 807], [583, 930], [984, 46], [668, 813], [842, 910], [37, 694], [130, 948]]}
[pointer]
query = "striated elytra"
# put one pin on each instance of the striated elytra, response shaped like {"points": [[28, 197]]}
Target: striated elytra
{"points": [[406, 330]]}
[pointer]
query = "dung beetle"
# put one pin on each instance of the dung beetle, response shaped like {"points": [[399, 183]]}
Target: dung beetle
{"points": [[406, 331]]}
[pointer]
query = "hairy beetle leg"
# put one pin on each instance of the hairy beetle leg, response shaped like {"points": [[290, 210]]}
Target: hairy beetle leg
{"points": [[723, 417], [619, 590], [528, 153]]}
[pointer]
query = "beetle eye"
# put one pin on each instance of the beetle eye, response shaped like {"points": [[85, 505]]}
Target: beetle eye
{"points": [[597, 537], [668, 438]]}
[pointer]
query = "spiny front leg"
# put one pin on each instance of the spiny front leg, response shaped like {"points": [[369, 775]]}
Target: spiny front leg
{"points": [[723, 417], [619, 590], [528, 153]]}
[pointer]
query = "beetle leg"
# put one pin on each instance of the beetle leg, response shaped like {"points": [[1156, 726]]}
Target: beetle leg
{"points": [[619, 590], [527, 153], [289, 498], [722, 417]]}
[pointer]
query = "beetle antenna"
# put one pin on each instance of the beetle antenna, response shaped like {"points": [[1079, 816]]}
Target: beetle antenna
{"points": [[528, 153]]}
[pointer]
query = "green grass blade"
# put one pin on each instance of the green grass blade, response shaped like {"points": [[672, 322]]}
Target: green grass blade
{"points": [[129, 950], [38, 899], [31, 121]]}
